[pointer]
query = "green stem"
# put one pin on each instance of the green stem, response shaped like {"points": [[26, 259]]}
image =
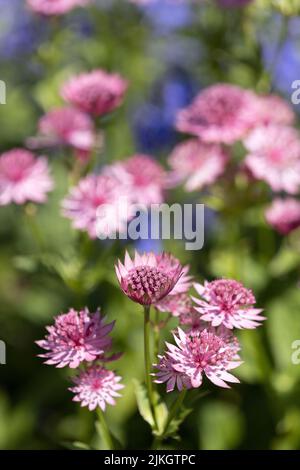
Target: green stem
{"points": [[156, 333], [148, 361], [172, 414], [104, 430]]}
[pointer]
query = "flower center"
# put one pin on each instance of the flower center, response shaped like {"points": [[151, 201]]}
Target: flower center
{"points": [[148, 281]]}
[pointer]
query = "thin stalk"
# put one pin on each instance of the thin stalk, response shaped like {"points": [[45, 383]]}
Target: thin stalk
{"points": [[156, 333], [104, 430], [148, 361]]}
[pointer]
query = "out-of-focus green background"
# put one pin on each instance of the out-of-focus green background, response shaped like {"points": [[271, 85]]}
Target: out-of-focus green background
{"points": [[46, 267]]}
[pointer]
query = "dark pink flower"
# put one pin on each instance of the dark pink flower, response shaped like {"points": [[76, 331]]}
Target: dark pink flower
{"points": [[95, 387], [146, 279], [76, 337], [284, 215], [199, 352], [227, 302], [96, 92], [99, 205], [197, 163], [274, 157], [23, 177], [222, 113], [55, 7], [68, 126]]}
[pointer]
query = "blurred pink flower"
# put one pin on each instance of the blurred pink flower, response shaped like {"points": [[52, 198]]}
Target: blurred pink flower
{"points": [[227, 302], [68, 126], [99, 205], [95, 387], [146, 279], [55, 7], [177, 305], [272, 109], [146, 178], [96, 92], [197, 163], [23, 177], [76, 337], [222, 113], [274, 157], [284, 215], [202, 351]]}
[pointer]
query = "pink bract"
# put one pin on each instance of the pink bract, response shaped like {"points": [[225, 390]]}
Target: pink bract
{"points": [[23, 177], [227, 302], [96, 387], [76, 337], [96, 92], [55, 7]]}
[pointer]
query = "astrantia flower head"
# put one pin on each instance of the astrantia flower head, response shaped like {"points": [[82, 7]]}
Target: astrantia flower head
{"points": [[146, 279], [284, 215], [76, 337], [274, 157], [147, 179], [227, 302], [55, 7], [220, 114], [177, 305], [68, 126], [23, 177], [97, 92], [197, 353], [197, 163], [169, 264], [95, 387], [85, 202]]}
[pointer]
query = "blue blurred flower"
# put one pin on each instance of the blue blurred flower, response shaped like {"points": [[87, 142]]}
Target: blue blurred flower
{"points": [[166, 16]]}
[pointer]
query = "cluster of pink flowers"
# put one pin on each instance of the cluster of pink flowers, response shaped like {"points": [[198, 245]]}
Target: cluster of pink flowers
{"points": [[207, 345], [81, 338], [55, 7], [103, 204]]}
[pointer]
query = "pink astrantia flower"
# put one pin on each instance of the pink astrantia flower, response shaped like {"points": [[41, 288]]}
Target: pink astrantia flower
{"points": [[145, 279], [95, 387], [274, 157], [197, 163], [272, 109], [76, 337], [99, 205], [55, 7], [169, 264], [178, 304], [227, 302], [96, 92], [23, 177], [68, 126], [197, 353], [284, 215], [220, 114], [146, 178]]}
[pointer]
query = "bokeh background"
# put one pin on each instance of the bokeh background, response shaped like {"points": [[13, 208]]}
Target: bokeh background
{"points": [[168, 53]]}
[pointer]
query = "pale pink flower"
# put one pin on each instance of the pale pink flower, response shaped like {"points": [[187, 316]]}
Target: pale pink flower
{"points": [[95, 387], [169, 264], [145, 279], [99, 205], [146, 178], [55, 7], [274, 157], [284, 215], [227, 302], [96, 92], [23, 177], [197, 353], [191, 318], [177, 305], [222, 113], [272, 109], [68, 126], [76, 337], [197, 163]]}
